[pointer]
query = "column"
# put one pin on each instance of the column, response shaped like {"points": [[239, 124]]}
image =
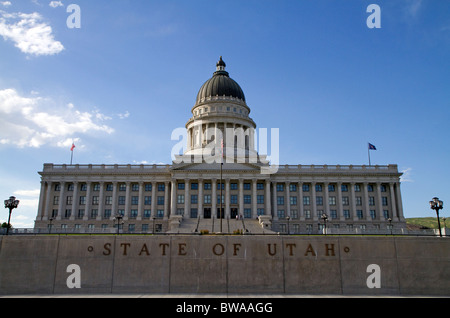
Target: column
{"points": [[393, 213], [275, 202], [214, 198], [400, 203], [62, 191], [154, 200], [87, 206], [141, 201], [327, 201], [379, 204], [313, 201], [267, 198], [166, 200], [187, 212], [254, 199], [300, 203], [241, 198], [366, 202], [288, 199], [227, 198], [127, 200], [48, 201], [353, 211], [339, 203], [101, 201], [114, 201], [173, 197], [74, 201], [200, 199]]}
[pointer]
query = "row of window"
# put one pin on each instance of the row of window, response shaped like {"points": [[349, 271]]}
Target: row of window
{"points": [[280, 187], [233, 200], [247, 213]]}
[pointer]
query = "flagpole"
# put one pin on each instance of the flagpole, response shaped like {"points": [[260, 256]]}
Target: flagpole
{"points": [[368, 152], [71, 157]]}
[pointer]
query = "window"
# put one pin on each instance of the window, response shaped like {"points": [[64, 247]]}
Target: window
{"points": [[96, 187], [108, 200], [218, 186], [247, 213], [180, 186], [207, 186], [331, 188], [148, 187], [70, 187], [332, 200], [357, 188], [247, 199], [160, 201], [305, 188], [147, 200], [319, 200], [359, 214], [260, 211], [280, 200], [386, 214], [83, 187], [107, 214], [384, 201], [82, 200], [294, 214], [194, 199], [260, 186], [344, 188], [121, 200], [292, 187], [280, 187], [218, 199], [160, 213], [345, 201], [371, 200], [207, 199], [135, 187], [306, 200], [383, 188], [280, 214], [109, 187], [180, 198], [161, 187], [95, 200], [133, 213], [147, 213], [373, 214], [358, 201], [293, 200], [333, 214], [194, 213], [69, 200], [55, 200], [58, 187], [307, 214], [122, 187], [134, 200], [370, 188], [233, 186], [247, 186], [233, 199], [260, 199], [318, 188], [194, 186], [347, 214]]}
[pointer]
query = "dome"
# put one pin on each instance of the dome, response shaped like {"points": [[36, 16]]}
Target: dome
{"points": [[220, 84]]}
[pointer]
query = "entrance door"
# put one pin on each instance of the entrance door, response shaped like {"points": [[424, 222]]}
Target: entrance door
{"points": [[218, 213], [234, 213], [207, 213]]}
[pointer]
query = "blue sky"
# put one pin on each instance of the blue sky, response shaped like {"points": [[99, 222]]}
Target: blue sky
{"points": [[119, 85]]}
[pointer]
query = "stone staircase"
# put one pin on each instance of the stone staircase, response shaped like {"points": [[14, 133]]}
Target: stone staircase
{"points": [[229, 226]]}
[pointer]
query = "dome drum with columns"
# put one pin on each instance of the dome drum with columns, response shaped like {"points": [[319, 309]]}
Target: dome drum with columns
{"points": [[221, 113]]}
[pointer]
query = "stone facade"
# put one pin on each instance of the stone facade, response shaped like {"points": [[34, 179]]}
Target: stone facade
{"points": [[220, 168]]}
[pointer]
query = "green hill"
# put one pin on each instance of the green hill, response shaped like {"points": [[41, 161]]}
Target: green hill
{"points": [[428, 222]]}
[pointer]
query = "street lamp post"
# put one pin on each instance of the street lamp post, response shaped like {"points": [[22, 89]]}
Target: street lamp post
{"points": [[288, 219], [10, 204], [390, 224], [325, 218], [119, 218], [437, 205]]}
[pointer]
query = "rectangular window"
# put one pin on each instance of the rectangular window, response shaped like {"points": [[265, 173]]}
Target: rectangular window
{"points": [[359, 214], [134, 200], [280, 200], [292, 187], [318, 188], [108, 200], [345, 201], [95, 200], [306, 200], [371, 200], [233, 199], [305, 188], [107, 214], [331, 188], [373, 214], [344, 188], [180, 186], [82, 200], [307, 214], [121, 200], [194, 186], [260, 186], [247, 186], [207, 186], [384, 201], [207, 199], [233, 186], [332, 200], [109, 187], [160, 201], [194, 199], [161, 187], [147, 200], [147, 213], [280, 187], [347, 214], [135, 187], [293, 200], [319, 200], [133, 213], [260, 199], [358, 201], [148, 187], [180, 199], [247, 199], [260, 211]]}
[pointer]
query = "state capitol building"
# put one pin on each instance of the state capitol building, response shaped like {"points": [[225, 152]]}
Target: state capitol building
{"points": [[188, 195]]}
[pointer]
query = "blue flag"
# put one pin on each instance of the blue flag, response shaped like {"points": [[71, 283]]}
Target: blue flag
{"points": [[372, 147]]}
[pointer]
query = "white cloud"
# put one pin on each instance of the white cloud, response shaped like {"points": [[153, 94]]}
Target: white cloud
{"points": [[36, 121], [5, 3], [29, 33], [406, 177], [125, 115], [55, 4]]}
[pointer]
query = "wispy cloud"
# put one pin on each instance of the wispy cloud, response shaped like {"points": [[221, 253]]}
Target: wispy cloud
{"points": [[413, 7], [37, 121], [55, 4], [30, 33], [406, 177]]}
